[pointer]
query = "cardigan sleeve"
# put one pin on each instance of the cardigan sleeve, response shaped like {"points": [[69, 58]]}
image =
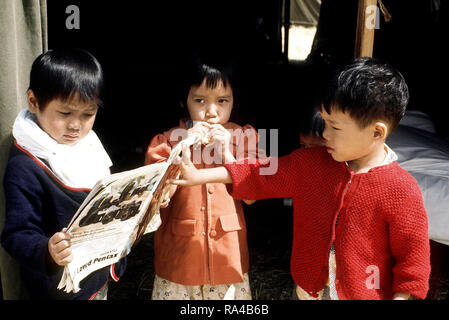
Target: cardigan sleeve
{"points": [[409, 242], [267, 178], [158, 150], [247, 144], [23, 236]]}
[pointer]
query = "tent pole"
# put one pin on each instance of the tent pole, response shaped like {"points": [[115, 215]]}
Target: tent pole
{"points": [[364, 40], [286, 27]]}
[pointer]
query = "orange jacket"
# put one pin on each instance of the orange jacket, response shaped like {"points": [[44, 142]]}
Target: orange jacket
{"points": [[202, 238]]}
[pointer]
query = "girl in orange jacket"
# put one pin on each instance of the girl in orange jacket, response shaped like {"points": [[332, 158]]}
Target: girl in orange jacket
{"points": [[201, 250]]}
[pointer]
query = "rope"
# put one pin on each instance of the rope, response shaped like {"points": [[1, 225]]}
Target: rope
{"points": [[386, 14]]}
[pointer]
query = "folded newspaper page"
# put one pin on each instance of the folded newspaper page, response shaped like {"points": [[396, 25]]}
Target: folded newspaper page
{"points": [[119, 210]]}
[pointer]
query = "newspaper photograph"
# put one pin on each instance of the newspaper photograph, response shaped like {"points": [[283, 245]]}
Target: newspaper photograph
{"points": [[116, 214]]}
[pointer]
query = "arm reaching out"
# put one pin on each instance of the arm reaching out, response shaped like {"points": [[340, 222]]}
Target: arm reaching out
{"points": [[191, 176]]}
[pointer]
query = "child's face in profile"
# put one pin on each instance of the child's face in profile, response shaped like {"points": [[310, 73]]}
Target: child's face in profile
{"points": [[344, 139], [212, 105], [66, 122]]}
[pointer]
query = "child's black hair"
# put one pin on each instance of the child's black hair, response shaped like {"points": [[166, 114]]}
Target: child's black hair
{"points": [[213, 68], [368, 90], [66, 73], [311, 122]]}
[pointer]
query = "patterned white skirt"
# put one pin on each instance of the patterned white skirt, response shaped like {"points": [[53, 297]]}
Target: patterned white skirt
{"points": [[167, 290]]}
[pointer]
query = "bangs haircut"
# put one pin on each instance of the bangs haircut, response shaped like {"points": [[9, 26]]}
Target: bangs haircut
{"points": [[67, 74], [368, 91], [212, 76], [212, 71]]}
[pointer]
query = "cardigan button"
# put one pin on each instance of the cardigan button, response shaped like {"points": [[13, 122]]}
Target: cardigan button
{"points": [[211, 189], [203, 208], [213, 233]]}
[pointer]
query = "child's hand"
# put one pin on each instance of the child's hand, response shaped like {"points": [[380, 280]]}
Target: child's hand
{"points": [[218, 133], [166, 200], [201, 129], [222, 137], [189, 174], [59, 248], [311, 140]]}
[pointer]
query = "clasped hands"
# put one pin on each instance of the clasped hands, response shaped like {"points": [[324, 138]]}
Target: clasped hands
{"points": [[208, 134], [190, 175]]}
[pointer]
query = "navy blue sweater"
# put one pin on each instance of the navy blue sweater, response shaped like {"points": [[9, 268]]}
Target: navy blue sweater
{"points": [[37, 206]]}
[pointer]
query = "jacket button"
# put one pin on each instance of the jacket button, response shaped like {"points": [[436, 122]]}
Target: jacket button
{"points": [[213, 233], [211, 189]]}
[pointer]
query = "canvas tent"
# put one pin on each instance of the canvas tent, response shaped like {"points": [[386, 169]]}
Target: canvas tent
{"points": [[305, 12], [23, 36]]}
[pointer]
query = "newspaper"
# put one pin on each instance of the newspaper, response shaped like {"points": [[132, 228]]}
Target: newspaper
{"points": [[118, 211]]}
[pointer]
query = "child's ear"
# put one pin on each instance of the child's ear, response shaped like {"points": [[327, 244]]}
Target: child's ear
{"points": [[33, 106], [380, 130]]}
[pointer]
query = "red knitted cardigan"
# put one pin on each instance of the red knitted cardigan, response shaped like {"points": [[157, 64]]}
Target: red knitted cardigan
{"points": [[381, 239]]}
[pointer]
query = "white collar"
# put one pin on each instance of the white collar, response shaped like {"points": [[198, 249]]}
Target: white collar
{"points": [[390, 156], [78, 166]]}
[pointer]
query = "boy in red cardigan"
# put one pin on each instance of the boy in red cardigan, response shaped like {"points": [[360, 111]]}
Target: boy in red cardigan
{"points": [[360, 227]]}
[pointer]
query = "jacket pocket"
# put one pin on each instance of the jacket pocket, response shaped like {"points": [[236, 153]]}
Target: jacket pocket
{"points": [[230, 222], [184, 228]]}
